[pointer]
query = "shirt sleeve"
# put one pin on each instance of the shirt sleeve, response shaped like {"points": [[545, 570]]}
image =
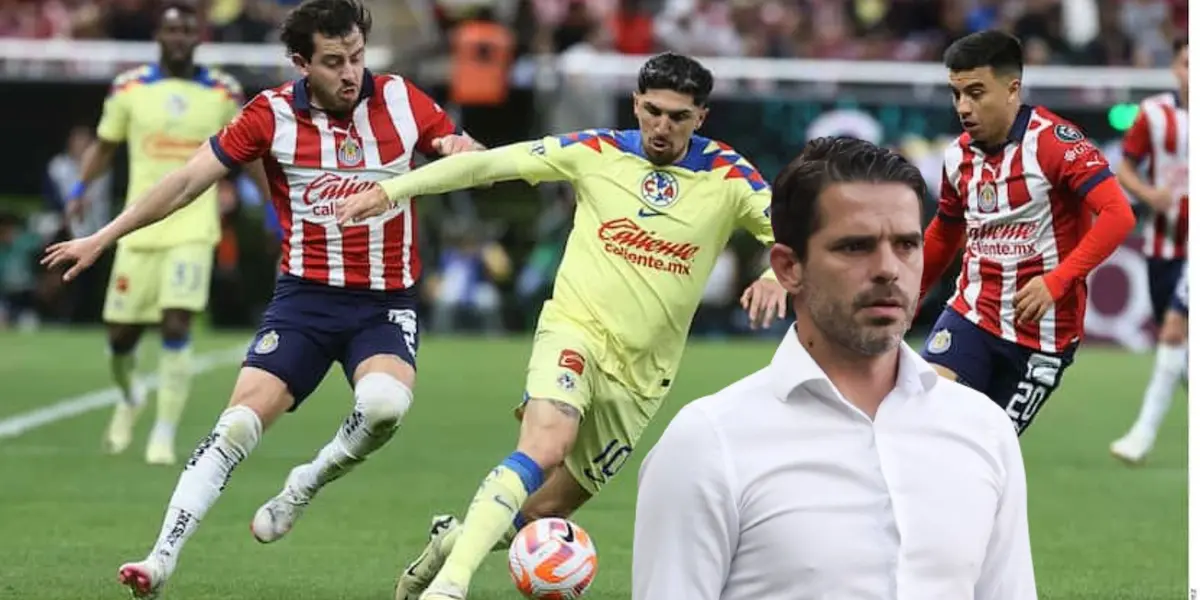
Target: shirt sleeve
{"points": [[1071, 162], [1136, 143], [685, 527], [1007, 571], [114, 120], [432, 121], [248, 136]]}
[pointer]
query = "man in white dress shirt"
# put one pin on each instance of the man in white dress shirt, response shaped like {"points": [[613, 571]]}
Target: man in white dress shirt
{"points": [[846, 469]]}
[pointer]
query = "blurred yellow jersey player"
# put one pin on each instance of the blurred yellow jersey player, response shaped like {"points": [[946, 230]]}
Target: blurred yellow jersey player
{"points": [[161, 112], [655, 208]]}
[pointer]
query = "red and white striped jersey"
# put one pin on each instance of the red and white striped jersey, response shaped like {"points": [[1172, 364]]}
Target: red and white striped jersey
{"points": [[1024, 212], [1159, 137], [314, 159]]}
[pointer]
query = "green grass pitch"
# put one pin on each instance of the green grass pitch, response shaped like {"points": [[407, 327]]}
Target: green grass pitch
{"points": [[69, 516]]}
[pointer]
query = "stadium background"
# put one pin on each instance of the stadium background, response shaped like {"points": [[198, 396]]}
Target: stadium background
{"points": [[789, 70]]}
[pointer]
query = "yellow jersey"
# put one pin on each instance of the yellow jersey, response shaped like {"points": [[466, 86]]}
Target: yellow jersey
{"points": [[163, 120], [645, 237]]}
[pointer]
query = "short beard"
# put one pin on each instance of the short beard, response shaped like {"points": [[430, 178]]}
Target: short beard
{"points": [[838, 325]]}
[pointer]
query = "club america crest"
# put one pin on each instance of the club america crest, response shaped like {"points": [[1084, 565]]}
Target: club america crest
{"points": [[350, 153], [660, 189], [987, 197]]}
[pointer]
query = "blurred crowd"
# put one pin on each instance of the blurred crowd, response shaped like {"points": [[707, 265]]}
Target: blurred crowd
{"points": [[1083, 32]]}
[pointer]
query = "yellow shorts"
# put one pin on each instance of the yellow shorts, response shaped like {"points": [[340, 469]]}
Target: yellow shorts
{"points": [[143, 283], [562, 368]]}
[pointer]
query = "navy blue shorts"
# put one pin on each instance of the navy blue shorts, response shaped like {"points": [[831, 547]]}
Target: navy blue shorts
{"points": [[1179, 300], [1017, 378], [307, 326], [1164, 274]]}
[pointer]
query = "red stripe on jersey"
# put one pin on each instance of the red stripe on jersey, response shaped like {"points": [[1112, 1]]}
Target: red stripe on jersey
{"points": [[1018, 190], [1171, 140], [391, 147], [355, 240], [316, 253], [1029, 334], [991, 274], [414, 262], [308, 144], [393, 252]]}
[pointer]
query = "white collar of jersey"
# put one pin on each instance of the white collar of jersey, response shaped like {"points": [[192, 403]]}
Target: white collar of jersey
{"points": [[300, 90], [793, 367], [1016, 133]]}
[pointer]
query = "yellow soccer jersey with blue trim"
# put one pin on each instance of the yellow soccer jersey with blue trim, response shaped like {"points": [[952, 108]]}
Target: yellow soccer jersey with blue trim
{"points": [[644, 242], [163, 120]]}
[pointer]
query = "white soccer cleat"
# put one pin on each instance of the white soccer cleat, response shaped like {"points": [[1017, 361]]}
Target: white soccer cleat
{"points": [[444, 592], [125, 413], [276, 518], [145, 579], [1132, 449], [160, 451], [420, 572]]}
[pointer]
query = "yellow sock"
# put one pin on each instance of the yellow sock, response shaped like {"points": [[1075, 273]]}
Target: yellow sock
{"points": [[490, 517], [122, 371], [174, 383]]}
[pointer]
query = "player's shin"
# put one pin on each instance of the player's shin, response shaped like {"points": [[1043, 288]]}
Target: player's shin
{"points": [[174, 384], [490, 516], [204, 478], [380, 402], [122, 361], [1170, 365]]}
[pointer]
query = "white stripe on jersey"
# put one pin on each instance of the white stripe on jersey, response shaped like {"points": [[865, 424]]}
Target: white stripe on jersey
{"points": [[333, 232], [1008, 268], [1039, 195], [371, 161], [974, 285], [283, 148], [395, 95]]}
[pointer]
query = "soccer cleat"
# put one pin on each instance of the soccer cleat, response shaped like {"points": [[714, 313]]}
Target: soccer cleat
{"points": [[144, 579], [160, 451], [1132, 449], [119, 434], [277, 516], [420, 572]]}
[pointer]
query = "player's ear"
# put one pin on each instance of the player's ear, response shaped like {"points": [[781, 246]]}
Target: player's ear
{"points": [[1014, 87], [300, 63], [701, 115], [787, 267], [636, 98]]}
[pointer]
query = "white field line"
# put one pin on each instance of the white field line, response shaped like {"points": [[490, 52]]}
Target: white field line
{"points": [[11, 427]]}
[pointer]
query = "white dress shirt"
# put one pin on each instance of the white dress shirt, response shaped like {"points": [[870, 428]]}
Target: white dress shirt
{"points": [[777, 488]]}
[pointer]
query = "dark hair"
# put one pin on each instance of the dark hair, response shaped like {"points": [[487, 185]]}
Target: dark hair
{"points": [[991, 48], [1180, 43], [795, 193], [185, 8], [678, 73], [330, 18]]}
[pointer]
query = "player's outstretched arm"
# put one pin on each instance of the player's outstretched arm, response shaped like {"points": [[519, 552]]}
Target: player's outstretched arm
{"points": [[456, 172], [1007, 570], [176, 190], [685, 528]]}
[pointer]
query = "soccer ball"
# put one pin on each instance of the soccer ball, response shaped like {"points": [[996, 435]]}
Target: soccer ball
{"points": [[552, 559]]}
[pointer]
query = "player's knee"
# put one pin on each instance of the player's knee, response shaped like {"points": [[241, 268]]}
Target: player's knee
{"points": [[383, 401], [176, 326], [1174, 330], [122, 339], [548, 430]]}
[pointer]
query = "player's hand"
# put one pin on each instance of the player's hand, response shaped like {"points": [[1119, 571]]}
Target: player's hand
{"points": [[765, 300], [80, 253], [365, 204], [455, 144], [1033, 300], [1160, 199]]}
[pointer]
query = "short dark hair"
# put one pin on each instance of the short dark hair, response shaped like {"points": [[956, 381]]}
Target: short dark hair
{"points": [[330, 18], [991, 48], [678, 73], [1180, 44], [795, 193]]}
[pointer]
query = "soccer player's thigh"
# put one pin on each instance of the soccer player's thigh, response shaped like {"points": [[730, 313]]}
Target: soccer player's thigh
{"points": [[186, 271], [289, 349], [1025, 379], [959, 350], [133, 288], [386, 340], [609, 434]]}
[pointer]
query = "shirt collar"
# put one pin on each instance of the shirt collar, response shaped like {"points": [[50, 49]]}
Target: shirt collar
{"points": [[1016, 133], [793, 367], [300, 91]]}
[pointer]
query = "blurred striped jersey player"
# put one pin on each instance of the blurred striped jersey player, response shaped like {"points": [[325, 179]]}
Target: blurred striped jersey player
{"points": [[1020, 186], [1159, 140], [655, 208], [162, 112]]}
